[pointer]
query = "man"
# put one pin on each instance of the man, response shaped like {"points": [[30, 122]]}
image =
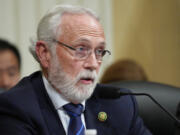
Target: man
{"points": [[10, 63], [62, 100]]}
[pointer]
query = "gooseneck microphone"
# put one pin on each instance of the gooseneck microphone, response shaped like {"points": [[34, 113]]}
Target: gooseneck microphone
{"points": [[116, 93]]}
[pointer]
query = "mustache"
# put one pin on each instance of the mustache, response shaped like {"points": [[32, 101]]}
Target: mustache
{"points": [[87, 74]]}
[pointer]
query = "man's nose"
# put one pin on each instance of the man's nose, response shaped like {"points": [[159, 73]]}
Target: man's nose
{"points": [[5, 81], [91, 62]]}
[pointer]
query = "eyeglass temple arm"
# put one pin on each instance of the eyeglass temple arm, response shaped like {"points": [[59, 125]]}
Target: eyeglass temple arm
{"points": [[60, 43]]}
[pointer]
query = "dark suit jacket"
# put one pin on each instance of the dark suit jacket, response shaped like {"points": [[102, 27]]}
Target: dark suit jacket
{"points": [[27, 110]]}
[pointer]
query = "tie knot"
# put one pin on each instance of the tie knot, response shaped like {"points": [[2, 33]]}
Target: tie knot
{"points": [[73, 109]]}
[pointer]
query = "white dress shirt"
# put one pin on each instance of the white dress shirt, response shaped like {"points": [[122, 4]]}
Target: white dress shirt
{"points": [[59, 101]]}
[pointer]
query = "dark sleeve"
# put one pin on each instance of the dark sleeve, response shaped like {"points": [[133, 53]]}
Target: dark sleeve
{"points": [[177, 132], [13, 121], [138, 127]]}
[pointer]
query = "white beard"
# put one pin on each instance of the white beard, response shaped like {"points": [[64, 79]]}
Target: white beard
{"points": [[67, 86]]}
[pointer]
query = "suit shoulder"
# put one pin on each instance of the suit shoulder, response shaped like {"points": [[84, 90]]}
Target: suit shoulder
{"points": [[21, 96]]}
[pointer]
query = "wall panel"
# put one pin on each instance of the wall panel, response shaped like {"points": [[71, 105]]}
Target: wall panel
{"points": [[19, 20]]}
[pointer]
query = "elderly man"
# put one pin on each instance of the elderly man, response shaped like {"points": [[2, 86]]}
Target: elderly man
{"points": [[62, 99]]}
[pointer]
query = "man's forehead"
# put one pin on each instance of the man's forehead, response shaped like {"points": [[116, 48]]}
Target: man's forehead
{"points": [[79, 20], [73, 25], [8, 58]]}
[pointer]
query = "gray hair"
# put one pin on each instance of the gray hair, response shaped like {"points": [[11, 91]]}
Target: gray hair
{"points": [[48, 27]]}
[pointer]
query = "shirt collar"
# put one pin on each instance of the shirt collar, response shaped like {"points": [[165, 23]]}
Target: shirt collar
{"points": [[57, 99]]}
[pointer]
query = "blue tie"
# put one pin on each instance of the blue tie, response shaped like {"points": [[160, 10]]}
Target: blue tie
{"points": [[76, 126]]}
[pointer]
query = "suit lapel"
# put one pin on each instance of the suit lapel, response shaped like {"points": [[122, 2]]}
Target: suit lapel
{"points": [[93, 107], [49, 113], [91, 114]]}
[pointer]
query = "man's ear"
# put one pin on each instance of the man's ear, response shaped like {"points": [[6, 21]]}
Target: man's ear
{"points": [[43, 54]]}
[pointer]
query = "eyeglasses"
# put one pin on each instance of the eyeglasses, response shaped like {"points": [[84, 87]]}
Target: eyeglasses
{"points": [[82, 52]]}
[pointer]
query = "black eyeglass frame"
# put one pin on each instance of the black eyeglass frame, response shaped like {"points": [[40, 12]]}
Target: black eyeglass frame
{"points": [[74, 49]]}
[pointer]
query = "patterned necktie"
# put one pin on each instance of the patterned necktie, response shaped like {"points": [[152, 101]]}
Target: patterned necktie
{"points": [[76, 126]]}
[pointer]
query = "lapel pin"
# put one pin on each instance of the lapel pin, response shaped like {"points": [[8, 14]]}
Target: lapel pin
{"points": [[102, 116]]}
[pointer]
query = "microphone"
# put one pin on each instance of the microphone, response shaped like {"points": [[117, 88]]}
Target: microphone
{"points": [[116, 93]]}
